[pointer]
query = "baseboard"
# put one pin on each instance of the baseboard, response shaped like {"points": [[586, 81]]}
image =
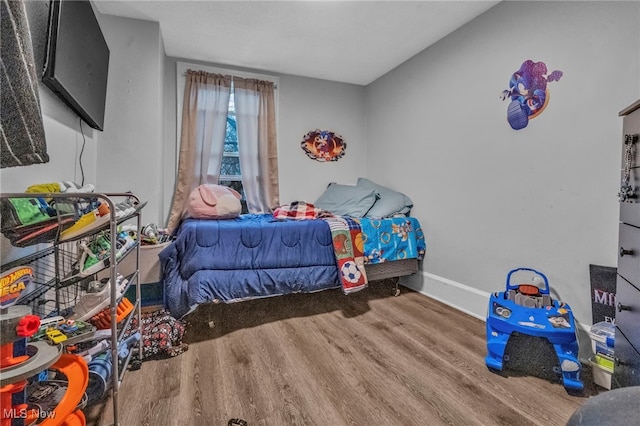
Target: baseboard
{"points": [[462, 297]]}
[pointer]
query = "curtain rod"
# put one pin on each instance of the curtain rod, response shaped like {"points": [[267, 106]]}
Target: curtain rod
{"points": [[275, 86]]}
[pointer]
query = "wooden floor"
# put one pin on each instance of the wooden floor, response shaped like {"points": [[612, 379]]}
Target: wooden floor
{"points": [[329, 359]]}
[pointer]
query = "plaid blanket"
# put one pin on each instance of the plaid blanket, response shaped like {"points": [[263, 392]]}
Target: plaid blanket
{"points": [[297, 210], [348, 248]]}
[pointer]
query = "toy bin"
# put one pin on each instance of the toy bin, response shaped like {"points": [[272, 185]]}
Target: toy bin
{"points": [[603, 335]]}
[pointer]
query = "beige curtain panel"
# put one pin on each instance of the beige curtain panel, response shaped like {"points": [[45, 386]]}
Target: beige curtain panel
{"points": [[204, 118], [257, 138]]}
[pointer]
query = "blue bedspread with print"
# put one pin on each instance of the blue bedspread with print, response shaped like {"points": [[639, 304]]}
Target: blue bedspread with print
{"points": [[390, 239], [255, 256]]}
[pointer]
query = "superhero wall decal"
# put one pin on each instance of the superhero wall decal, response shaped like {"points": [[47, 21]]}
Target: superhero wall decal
{"points": [[323, 145], [528, 92]]}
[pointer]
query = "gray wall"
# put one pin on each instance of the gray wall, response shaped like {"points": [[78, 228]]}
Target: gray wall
{"points": [[130, 157], [307, 104], [490, 198]]}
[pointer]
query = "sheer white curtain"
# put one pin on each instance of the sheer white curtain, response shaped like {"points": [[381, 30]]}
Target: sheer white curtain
{"points": [[257, 141], [204, 123]]}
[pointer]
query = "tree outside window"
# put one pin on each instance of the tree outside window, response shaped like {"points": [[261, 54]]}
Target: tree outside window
{"points": [[230, 173]]}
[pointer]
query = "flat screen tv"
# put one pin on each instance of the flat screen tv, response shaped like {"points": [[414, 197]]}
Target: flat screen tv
{"points": [[77, 59]]}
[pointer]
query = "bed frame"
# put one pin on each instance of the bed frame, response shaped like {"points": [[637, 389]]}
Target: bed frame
{"points": [[395, 270]]}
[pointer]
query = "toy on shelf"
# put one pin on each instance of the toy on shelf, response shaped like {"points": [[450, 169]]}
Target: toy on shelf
{"points": [[528, 309], [101, 366], [21, 360], [57, 401], [66, 331], [18, 361], [102, 320]]}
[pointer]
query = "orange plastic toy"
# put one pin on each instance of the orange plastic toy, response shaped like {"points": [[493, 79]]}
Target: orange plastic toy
{"points": [[77, 372], [103, 319], [16, 366], [17, 323]]}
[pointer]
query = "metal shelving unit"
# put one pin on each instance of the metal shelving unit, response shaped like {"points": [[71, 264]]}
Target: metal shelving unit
{"points": [[57, 285]]}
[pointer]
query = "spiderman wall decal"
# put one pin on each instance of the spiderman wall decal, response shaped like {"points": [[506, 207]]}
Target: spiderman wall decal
{"points": [[528, 92]]}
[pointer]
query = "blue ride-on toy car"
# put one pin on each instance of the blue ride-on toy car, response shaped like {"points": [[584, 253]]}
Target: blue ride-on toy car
{"points": [[527, 308]]}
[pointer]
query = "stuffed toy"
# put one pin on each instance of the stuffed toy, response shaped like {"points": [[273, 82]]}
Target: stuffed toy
{"points": [[214, 202]]}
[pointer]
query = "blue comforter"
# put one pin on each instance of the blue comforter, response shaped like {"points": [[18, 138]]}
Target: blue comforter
{"points": [[244, 258], [256, 256]]}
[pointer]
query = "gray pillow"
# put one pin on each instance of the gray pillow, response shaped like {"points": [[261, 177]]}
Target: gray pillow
{"points": [[389, 202], [346, 200]]}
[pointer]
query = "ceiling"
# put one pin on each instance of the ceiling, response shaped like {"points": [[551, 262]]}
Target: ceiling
{"points": [[346, 41]]}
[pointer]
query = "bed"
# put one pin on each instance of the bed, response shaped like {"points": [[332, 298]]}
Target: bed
{"points": [[259, 255]]}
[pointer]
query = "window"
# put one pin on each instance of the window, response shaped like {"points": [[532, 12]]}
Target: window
{"points": [[230, 172]]}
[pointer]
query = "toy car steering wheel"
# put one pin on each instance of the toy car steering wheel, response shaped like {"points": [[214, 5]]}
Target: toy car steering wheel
{"points": [[528, 288]]}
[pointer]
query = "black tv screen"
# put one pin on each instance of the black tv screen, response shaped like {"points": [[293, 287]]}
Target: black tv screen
{"points": [[77, 59]]}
